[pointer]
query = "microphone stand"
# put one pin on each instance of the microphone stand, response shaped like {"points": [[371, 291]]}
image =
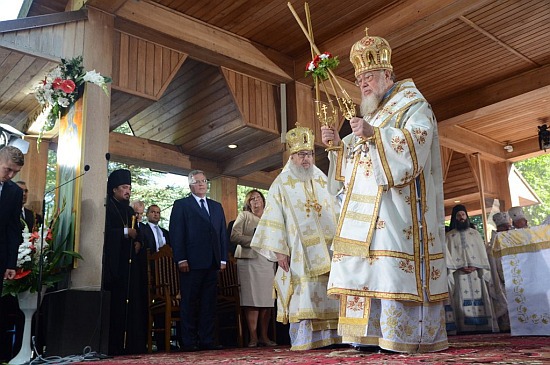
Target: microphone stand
{"points": [[41, 256]]}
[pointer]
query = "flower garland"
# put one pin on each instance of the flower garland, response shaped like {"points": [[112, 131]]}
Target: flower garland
{"points": [[30, 252], [63, 86], [319, 66]]}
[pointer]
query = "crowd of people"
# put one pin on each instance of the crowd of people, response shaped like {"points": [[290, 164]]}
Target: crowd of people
{"points": [[359, 256]]}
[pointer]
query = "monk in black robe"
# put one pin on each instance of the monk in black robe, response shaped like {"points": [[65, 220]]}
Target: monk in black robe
{"points": [[122, 273]]}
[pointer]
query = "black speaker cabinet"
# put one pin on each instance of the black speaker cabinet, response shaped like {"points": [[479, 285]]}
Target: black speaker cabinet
{"points": [[74, 319]]}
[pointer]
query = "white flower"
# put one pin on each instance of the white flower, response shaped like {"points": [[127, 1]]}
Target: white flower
{"points": [[311, 66], [64, 102], [324, 56], [94, 77]]}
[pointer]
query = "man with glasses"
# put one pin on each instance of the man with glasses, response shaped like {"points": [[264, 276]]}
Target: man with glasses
{"points": [[296, 231], [199, 240], [390, 274]]}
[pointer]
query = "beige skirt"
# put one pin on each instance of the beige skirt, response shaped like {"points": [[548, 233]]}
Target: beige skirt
{"points": [[256, 281]]}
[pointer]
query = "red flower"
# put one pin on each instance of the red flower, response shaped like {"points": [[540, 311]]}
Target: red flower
{"points": [[316, 60], [49, 235], [68, 86], [21, 274], [56, 83], [34, 236]]}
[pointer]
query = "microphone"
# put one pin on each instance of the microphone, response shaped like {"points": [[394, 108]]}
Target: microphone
{"points": [[86, 169], [107, 156]]}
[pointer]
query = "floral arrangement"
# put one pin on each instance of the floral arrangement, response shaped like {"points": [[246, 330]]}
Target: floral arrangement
{"points": [[28, 262], [63, 86], [319, 66]]}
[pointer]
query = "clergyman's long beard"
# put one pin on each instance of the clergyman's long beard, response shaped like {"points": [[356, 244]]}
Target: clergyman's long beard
{"points": [[463, 225], [302, 173], [370, 103]]}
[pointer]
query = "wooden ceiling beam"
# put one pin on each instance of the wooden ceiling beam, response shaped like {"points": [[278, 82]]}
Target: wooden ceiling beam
{"points": [[254, 160], [399, 25], [109, 6], [467, 142], [525, 149], [259, 179], [203, 41], [145, 153], [503, 94]]}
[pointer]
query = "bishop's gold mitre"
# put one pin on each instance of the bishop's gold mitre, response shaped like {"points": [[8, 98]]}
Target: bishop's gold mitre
{"points": [[370, 53], [300, 139]]}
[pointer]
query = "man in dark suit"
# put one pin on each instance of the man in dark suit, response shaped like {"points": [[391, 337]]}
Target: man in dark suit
{"points": [[199, 240], [11, 198], [154, 236], [27, 215]]}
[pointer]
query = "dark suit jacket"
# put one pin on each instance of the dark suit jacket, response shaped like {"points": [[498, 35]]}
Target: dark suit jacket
{"points": [[29, 219], [149, 241], [10, 225], [196, 237]]}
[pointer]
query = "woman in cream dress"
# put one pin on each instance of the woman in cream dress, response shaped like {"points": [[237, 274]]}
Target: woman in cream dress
{"points": [[256, 273]]}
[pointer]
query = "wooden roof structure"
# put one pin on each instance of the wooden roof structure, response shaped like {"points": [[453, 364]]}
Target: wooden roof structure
{"points": [[192, 77]]}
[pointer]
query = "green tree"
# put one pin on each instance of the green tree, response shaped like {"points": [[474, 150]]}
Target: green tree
{"points": [[536, 172]]}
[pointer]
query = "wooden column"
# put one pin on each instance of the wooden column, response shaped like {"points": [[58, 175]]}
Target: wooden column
{"points": [[224, 190], [301, 109], [482, 197], [98, 51], [34, 173]]}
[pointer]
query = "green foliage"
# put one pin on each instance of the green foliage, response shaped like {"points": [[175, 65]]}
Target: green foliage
{"points": [[536, 172]]}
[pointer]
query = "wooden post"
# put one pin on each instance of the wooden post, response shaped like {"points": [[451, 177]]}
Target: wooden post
{"points": [[482, 197], [224, 190], [34, 173]]}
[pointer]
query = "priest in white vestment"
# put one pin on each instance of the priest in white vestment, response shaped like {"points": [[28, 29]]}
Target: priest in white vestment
{"points": [[469, 276], [388, 268], [296, 230]]}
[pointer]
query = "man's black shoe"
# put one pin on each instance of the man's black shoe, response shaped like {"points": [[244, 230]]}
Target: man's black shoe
{"points": [[211, 347]]}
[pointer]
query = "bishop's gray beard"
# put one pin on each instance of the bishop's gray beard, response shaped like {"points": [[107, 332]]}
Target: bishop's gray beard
{"points": [[370, 103], [301, 173]]}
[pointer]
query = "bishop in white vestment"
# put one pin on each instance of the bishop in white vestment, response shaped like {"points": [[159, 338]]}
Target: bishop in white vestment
{"points": [[388, 269], [296, 230]]}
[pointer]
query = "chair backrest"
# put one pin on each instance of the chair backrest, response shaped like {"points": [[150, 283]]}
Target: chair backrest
{"points": [[228, 280], [163, 275]]}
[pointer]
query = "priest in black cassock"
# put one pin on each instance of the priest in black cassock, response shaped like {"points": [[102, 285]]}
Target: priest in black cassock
{"points": [[128, 309]]}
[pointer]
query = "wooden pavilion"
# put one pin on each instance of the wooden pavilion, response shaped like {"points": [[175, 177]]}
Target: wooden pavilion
{"points": [[192, 77]]}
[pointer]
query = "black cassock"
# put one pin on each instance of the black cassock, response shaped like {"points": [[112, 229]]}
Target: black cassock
{"points": [[125, 281]]}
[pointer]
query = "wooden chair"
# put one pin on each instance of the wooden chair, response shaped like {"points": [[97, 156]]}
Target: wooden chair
{"points": [[163, 295], [229, 302]]}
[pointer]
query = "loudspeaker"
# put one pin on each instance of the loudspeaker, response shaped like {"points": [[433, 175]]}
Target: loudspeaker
{"points": [[75, 319]]}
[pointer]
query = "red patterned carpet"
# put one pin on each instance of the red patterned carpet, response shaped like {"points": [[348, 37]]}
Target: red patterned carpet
{"points": [[472, 349]]}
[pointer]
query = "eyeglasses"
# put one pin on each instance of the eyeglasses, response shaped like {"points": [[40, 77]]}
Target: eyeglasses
{"points": [[365, 78], [196, 182], [304, 154]]}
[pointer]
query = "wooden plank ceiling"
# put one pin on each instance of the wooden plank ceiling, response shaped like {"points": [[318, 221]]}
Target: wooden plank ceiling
{"points": [[201, 75]]}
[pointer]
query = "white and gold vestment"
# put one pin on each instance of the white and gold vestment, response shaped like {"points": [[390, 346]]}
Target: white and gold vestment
{"points": [[299, 221], [388, 268]]}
